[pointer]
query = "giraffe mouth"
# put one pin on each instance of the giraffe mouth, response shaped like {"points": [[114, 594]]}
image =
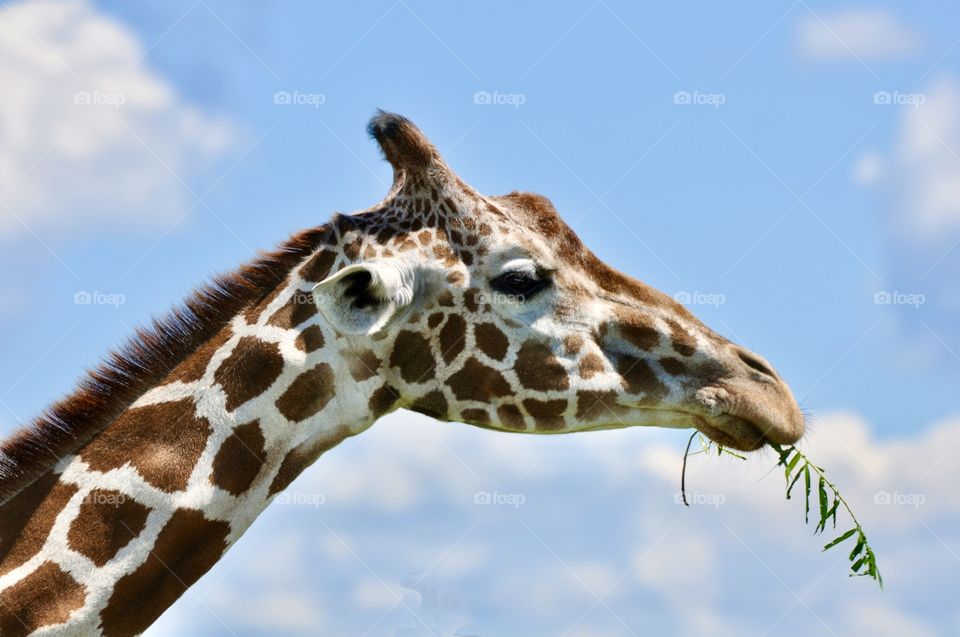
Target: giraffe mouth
{"points": [[732, 431], [747, 421]]}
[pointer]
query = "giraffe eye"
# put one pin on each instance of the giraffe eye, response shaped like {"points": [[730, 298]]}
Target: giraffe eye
{"points": [[520, 284]]}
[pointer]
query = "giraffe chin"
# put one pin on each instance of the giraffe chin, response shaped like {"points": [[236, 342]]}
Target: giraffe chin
{"points": [[732, 431]]}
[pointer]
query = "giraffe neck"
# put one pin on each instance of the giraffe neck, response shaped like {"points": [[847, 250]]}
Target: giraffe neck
{"points": [[116, 532]]}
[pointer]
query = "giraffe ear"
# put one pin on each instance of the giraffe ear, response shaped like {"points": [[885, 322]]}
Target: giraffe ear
{"points": [[362, 298], [403, 145]]}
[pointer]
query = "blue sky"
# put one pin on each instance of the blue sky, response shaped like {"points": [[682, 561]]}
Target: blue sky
{"points": [[789, 169]]}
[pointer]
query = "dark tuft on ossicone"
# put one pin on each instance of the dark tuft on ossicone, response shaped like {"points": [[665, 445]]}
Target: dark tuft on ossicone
{"points": [[402, 143]]}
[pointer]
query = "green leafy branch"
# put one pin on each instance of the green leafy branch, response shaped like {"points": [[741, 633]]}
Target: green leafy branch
{"points": [[797, 466]]}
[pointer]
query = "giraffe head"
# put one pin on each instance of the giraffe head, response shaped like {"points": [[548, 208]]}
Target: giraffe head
{"points": [[489, 310]]}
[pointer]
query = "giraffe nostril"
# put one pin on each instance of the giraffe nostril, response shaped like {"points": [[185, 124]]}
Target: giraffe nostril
{"points": [[755, 363]]}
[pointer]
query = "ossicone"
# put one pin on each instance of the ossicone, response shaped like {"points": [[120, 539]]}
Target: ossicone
{"points": [[403, 145]]}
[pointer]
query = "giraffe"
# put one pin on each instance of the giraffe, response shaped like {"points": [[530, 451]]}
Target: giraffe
{"points": [[486, 310]]}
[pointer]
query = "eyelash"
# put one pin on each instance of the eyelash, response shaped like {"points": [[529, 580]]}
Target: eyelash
{"points": [[519, 284]]}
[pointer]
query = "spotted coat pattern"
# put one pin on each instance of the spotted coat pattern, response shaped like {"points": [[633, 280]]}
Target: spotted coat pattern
{"points": [[114, 533]]}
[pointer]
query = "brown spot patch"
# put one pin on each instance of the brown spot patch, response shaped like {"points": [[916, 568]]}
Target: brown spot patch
{"points": [[298, 309], [511, 417], [434, 320], [538, 369], [640, 332], [45, 597], [598, 405], [382, 400], [307, 394], [239, 459], [673, 366], [639, 378], [412, 355], [591, 365], [27, 518], [195, 365], [433, 404], [362, 365], [472, 299], [491, 341], [310, 339], [547, 414], [476, 416], [318, 267], [187, 547], [476, 381], [683, 343], [163, 443], [251, 368], [352, 250], [300, 458], [572, 344], [107, 522], [445, 299], [292, 466], [453, 337]]}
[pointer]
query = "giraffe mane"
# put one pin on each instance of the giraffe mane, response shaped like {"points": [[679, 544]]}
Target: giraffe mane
{"points": [[126, 372]]}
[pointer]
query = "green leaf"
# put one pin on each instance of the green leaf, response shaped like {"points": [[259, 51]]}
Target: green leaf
{"points": [[858, 565], [824, 503], [792, 464], [861, 542], [832, 513], [806, 482], [734, 454], [795, 479], [840, 539]]}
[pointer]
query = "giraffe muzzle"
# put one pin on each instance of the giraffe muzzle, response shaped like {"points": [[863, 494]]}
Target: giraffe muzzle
{"points": [[747, 414]]}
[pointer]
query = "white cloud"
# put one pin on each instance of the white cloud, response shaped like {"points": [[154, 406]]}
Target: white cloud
{"points": [[599, 518], [657, 569], [90, 135], [925, 163], [372, 594], [880, 620], [868, 169], [285, 611], [847, 34], [917, 183]]}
